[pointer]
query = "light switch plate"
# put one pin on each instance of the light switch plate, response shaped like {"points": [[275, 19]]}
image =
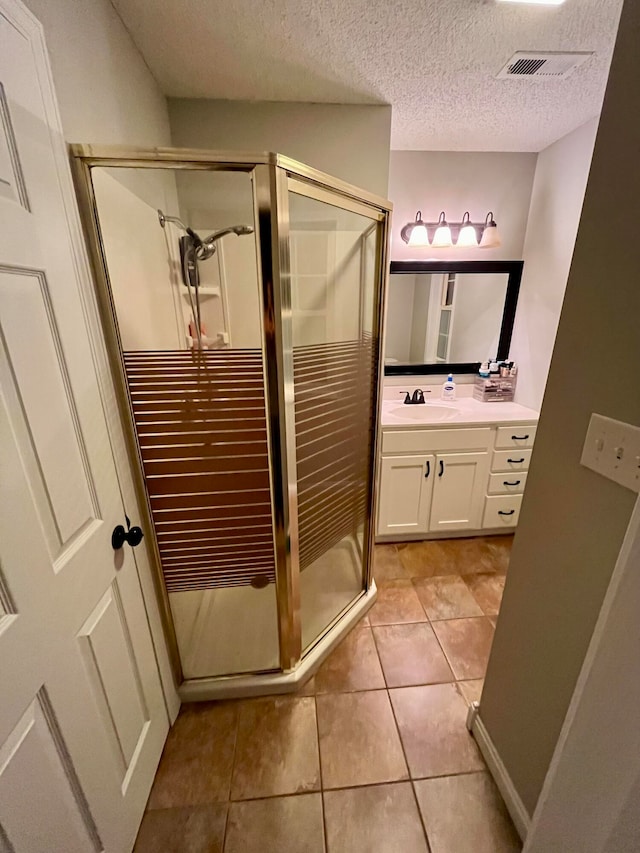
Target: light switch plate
{"points": [[612, 448]]}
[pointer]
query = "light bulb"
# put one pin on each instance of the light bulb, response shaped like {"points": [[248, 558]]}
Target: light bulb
{"points": [[415, 233], [419, 236], [442, 238], [490, 237], [467, 236]]}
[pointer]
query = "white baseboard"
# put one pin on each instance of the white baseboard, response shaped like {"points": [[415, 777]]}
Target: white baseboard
{"points": [[519, 814]]}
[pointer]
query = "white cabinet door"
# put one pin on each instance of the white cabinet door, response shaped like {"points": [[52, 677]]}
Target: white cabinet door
{"points": [[406, 484], [458, 491], [82, 715]]}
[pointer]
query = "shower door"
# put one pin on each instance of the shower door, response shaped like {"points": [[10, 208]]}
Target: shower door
{"points": [[198, 406], [335, 249]]}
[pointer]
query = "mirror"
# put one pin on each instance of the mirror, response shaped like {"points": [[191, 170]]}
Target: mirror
{"points": [[449, 316]]}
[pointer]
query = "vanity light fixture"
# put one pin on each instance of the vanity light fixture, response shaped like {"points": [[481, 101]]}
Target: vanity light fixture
{"points": [[444, 235], [418, 235]]}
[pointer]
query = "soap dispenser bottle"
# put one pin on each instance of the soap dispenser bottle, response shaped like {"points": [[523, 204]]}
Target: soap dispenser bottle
{"points": [[449, 388]]}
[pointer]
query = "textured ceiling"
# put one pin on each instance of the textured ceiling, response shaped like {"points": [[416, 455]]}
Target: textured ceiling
{"points": [[434, 61]]}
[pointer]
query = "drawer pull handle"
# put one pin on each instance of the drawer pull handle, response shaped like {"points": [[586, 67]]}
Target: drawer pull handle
{"points": [[441, 472], [516, 461], [506, 511], [507, 483], [426, 476], [519, 437]]}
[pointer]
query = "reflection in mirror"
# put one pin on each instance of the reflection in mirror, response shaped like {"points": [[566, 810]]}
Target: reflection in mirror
{"points": [[444, 317]]}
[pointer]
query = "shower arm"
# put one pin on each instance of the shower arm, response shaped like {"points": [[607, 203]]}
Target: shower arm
{"points": [[163, 218]]}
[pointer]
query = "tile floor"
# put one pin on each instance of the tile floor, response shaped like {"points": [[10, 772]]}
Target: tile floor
{"points": [[372, 754]]}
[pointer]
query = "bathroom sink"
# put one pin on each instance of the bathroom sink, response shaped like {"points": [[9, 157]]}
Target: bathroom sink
{"points": [[427, 413]]}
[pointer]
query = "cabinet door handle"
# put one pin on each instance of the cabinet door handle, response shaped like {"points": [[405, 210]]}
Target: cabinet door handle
{"points": [[516, 461], [506, 512], [441, 471], [426, 476], [519, 437], [507, 483]]}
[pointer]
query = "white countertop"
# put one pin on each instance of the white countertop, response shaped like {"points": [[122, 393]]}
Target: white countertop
{"points": [[462, 411]]}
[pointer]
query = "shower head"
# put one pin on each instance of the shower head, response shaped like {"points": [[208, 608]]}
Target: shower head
{"points": [[240, 230], [207, 247], [204, 248]]}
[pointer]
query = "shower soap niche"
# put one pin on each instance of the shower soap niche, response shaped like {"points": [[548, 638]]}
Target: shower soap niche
{"points": [[207, 290]]}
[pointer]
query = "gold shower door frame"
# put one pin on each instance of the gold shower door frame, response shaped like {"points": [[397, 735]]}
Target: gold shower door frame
{"points": [[273, 177]]}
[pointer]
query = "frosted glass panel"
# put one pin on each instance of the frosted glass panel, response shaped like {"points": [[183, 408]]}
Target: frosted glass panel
{"points": [[198, 402], [333, 285]]}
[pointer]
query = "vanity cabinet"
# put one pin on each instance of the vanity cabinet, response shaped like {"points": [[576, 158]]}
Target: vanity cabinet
{"points": [[433, 491], [436, 480]]}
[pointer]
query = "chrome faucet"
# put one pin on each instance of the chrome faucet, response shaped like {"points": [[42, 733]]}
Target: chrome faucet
{"points": [[414, 400]]}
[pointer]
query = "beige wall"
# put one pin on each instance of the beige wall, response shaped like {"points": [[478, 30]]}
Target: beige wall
{"points": [[573, 521], [556, 204], [452, 181], [349, 141], [105, 91]]}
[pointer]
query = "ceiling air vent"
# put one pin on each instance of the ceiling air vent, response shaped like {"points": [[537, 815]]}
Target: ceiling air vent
{"points": [[543, 65]]}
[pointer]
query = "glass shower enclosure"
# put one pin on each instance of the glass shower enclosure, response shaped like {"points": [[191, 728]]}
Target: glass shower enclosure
{"points": [[241, 297]]}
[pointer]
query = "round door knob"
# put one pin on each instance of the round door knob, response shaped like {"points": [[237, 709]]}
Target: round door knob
{"points": [[118, 537], [132, 535]]}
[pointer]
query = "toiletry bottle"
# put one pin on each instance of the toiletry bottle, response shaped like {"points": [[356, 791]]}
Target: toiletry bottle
{"points": [[494, 366], [514, 369], [449, 388], [484, 370]]}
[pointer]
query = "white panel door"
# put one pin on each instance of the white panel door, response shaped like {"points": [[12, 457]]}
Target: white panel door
{"points": [[406, 483], [458, 491], [82, 716]]}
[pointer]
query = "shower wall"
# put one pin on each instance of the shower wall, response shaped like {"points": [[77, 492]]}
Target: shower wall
{"points": [[233, 268], [142, 258]]}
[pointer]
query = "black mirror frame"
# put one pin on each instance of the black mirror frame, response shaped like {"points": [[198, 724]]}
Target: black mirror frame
{"points": [[514, 271]]}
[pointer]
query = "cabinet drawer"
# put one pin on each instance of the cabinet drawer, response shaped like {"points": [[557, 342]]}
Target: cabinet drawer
{"points": [[515, 436], [430, 440], [506, 483], [502, 511], [510, 460]]}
